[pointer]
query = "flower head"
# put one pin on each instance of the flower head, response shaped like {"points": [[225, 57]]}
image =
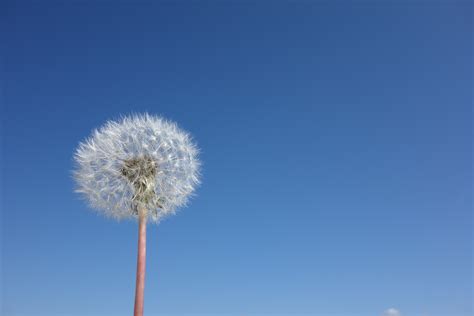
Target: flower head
{"points": [[141, 163]]}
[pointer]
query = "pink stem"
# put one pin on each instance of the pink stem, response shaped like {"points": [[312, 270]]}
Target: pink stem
{"points": [[141, 261]]}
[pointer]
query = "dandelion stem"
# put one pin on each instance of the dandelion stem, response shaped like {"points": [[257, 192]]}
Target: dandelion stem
{"points": [[141, 261]]}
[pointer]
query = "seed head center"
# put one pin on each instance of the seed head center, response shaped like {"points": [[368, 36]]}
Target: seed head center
{"points": [[141, 172]]}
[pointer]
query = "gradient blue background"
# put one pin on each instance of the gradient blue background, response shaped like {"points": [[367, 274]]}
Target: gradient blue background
{"points": [[336, 141]]}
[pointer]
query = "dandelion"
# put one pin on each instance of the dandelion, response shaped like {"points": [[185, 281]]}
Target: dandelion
{"points": [[141, 167]]}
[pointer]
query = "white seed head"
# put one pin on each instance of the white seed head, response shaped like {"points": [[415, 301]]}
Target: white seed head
{"points": [[140, 163]]}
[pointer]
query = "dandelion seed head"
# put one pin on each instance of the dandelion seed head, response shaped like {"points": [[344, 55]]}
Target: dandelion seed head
{"points": [[140, 162]]}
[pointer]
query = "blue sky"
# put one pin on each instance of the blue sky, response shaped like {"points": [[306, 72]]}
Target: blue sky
{"points": [[336, 141]]}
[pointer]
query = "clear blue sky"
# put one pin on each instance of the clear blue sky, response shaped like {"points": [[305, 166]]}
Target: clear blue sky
{"points": [[336, 141]]}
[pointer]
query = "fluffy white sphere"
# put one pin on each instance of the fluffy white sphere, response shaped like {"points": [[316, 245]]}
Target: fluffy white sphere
{"points": [[141, 162]]}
